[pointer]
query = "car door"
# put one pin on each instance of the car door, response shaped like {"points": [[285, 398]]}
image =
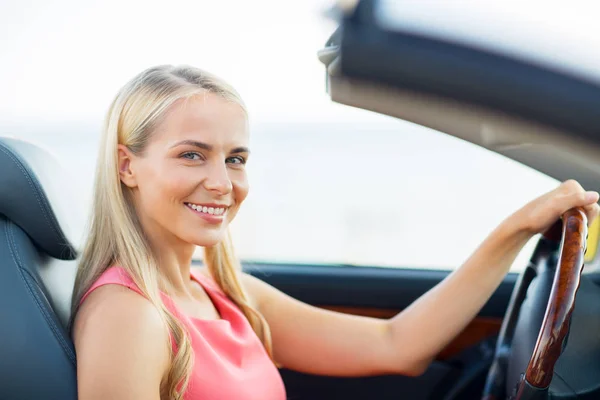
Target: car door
{"points": [[458, 371]]}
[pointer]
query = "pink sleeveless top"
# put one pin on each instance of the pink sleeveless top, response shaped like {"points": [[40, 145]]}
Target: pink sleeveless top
{"points": [[230, 362]]}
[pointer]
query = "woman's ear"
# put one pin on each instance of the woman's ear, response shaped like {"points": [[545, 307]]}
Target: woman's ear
{"points": [[125, 171]]}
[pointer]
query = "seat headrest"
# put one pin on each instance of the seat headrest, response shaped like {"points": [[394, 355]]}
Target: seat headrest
{"points": [[34, 194]]}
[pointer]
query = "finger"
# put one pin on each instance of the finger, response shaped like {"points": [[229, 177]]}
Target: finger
{"points": [[565, 202], [591, 197], [591, 211], [581, 199]]}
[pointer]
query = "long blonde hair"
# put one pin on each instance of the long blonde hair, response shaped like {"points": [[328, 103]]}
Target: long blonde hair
{"points": [[116, 235]]}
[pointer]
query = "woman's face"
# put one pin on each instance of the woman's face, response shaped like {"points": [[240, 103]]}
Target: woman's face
{"points": [[191, 179]]}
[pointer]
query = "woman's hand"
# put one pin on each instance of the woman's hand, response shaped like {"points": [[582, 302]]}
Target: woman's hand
{"points": [[540, 214]]}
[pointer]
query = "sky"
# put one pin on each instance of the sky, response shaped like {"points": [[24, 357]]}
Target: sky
{"points": [[64, 60]]}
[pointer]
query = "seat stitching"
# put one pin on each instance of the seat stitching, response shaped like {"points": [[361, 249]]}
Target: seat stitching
{"points": [[53, 222], [51, 321], [16, 258], [38, 301]]}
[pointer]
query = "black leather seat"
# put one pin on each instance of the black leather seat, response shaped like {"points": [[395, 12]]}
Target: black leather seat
{"points": [[38, 236]]}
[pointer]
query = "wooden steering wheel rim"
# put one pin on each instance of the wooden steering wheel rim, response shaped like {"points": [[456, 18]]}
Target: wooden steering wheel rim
{"points": [[555, 326]]}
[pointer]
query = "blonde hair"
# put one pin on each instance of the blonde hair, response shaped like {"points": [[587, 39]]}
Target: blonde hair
{"points": [[116, 235]]}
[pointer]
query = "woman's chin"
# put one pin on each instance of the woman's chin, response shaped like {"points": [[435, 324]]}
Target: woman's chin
{"points": [[208, 240]]}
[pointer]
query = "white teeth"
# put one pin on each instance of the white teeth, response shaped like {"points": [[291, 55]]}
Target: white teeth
{"points": [[207, 210]]}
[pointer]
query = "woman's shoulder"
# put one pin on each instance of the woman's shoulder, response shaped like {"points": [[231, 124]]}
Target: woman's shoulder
{"points": [[115, 304], [114, 275], [120, 336], [114, 301]]}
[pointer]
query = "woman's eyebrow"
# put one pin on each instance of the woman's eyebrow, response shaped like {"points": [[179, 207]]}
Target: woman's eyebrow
{"points": [[239, 150], [208, 147], [194, 143]]}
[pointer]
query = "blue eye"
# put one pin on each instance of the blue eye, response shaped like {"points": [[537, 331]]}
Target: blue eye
{"points": [[236, 160], [191, 156]]}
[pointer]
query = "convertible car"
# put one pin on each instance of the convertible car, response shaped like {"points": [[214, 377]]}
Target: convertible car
{"points": [[538, 337]]}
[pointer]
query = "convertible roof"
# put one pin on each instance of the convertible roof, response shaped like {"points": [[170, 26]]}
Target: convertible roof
{"points": [[509, 94]]}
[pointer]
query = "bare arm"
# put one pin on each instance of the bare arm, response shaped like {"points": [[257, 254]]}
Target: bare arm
{"points": [[426, 327], [122, 346], [317, 341]]}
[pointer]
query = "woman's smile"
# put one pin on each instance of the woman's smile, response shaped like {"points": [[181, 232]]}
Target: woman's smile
{"points": [[211, 213]]}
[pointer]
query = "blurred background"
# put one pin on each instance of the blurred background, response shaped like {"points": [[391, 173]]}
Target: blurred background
{"points": [[329, 184]]}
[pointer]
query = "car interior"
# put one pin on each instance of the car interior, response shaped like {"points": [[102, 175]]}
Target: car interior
{"points": [[38, 254]]}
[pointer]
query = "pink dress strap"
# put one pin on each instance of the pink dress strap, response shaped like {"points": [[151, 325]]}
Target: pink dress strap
{"points": [[114, 276]]}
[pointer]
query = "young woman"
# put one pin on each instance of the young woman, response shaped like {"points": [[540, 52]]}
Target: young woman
{"points": [[171, 176]]}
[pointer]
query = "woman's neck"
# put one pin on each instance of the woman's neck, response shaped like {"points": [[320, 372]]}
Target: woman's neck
{"points": [[174, 259]]}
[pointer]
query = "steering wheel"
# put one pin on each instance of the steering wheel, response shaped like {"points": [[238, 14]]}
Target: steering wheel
{"points": [[534, 382]]}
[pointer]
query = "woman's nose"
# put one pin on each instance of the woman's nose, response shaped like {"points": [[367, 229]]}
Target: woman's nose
{"points": [[217, 179]]}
